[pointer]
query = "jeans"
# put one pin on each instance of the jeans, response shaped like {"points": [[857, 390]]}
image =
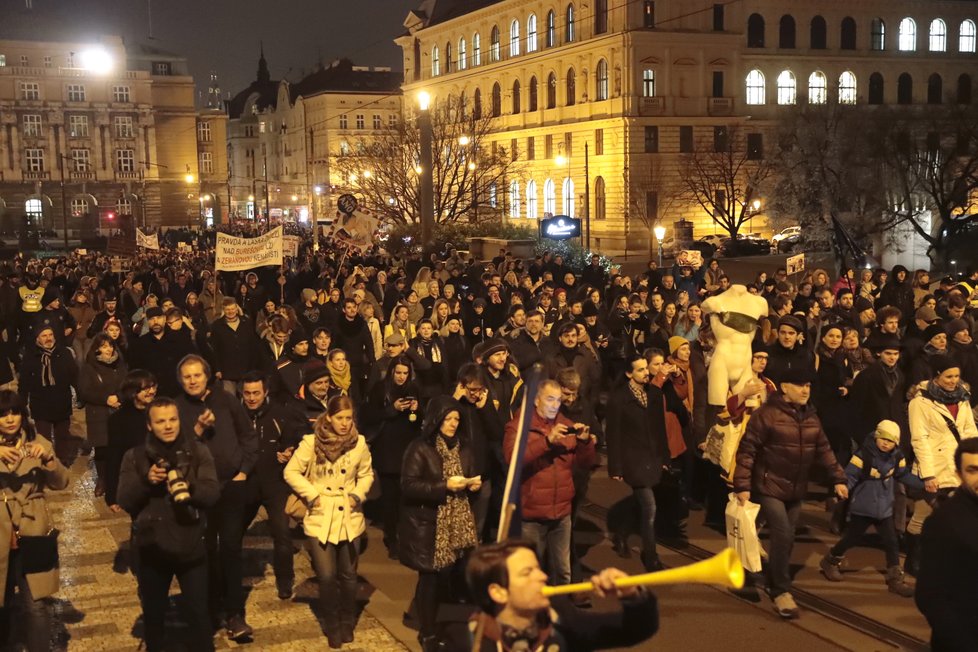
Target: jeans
{"points": [[646, 504], [390, 505], [225, 531], [272, 493], [433, 589], [156, 571], [782, 517], [34, 617], [552, 540], [858, 526], [336, 571]]}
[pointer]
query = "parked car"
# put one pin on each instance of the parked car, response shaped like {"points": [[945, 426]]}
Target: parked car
{"points": [[791, 231], [746, 245]]}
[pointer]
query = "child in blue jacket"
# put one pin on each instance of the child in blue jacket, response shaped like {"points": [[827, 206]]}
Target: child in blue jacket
{"points": [[870, 475]]}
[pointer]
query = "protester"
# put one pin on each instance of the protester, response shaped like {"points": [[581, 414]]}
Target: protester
{"points": [[48, 373], [99, 381]]}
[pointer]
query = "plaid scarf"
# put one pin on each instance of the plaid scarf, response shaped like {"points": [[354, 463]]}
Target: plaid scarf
{"points": [[639, 394]]}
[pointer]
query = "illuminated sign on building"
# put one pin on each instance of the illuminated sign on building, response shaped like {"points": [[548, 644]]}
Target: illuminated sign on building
{"points": [[560, 227]]}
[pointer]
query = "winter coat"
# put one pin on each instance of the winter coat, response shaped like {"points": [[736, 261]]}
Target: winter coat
{"points": [[870, 475], [637, 446], [83, 314], [781, 360], [160, 357], [948, 566], [933, 442], [528, 352], [48, 402], [98, 381], [175, 531], [126, 429], [232, 440], [236, 351], [780, 446], [423, 489], [394, 428], [873, 404], [23, 486], [547, 481], [278, 426], [332, 519]]}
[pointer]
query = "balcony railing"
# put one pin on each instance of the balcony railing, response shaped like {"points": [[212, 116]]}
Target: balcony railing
{"points": [[79, 175], [126, 175], [36, 175], [652, 105], [721, 105]]}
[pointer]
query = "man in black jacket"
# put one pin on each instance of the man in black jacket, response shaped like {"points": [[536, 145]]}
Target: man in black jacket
{"points": [[279, 429], [235, 345], [159, 351], [47, 374], [110, 312], [949, 561], [789, 352], [220, 421], [167, 530], [530, 345], [506, 582], [353, 336]]}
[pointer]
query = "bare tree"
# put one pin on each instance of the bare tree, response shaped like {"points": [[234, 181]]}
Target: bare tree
{"points": [[726, 180], [655, 197], [470, 171], [930, 172]]}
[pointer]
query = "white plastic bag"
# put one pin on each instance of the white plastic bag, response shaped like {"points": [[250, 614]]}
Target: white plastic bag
{"points": [[742, 532]]}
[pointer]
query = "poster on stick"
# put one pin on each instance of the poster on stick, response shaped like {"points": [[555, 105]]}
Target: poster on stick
{"points": [[148, 241], [290, 245], [795, 264], [235, 254]]}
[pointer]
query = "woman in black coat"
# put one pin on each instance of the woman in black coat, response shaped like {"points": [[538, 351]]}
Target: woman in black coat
{"points": [[437, 525], [637, 446], [126, 427], [394, 405], [99, 381]]}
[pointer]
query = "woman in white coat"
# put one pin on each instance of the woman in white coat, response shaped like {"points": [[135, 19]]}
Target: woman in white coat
{"points": [[940, 416], [331, 472]]}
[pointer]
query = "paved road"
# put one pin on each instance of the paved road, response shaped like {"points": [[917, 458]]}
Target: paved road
{"points": [[97, 608]]}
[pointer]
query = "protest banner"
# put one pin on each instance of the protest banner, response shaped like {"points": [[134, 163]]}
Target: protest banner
{"points": [[235, 254], [795, 264], [290, 245], [356, 230], [148, 241]]}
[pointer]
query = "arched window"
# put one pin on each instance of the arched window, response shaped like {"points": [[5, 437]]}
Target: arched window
{"points": [[648, 83], [516, 97], [476, 49], [787, 88], [123, 206], [514, 38], [847, 34], [448, 57], [786, 33], [569, 27], [964, 89], [907, 35], [599, 199], [492, 195], [514, 198], [533, 95], [938, 36], [878, 35], [905, 89], [551, 91], [755, 87], [935, 89], [755, 31], [601, 76], [531, 199], [600, 16], [497, 101], [966, 36], [79, 207], [549, 198], [571, 87], [463, 62], [817, 88], [435, 62], [494, 54], [35, 210], [847, 88], [531, 33], [816, 37], [876, 88], [568, 196], [477, 104], [551, 29]]}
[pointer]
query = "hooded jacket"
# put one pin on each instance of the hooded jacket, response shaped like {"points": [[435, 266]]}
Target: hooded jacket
{"points": [[870, 475], [97, 381], [232, 440]]}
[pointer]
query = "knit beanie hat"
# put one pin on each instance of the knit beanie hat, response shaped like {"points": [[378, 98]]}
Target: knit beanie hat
{"points": [[888, 430], [675, 342], [932, 331], [955, 326], [861, 304], [308, 294], [313, 371]]}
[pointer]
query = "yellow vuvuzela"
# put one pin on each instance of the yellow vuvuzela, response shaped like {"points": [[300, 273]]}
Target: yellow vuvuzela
{"points": [[722, 569]]}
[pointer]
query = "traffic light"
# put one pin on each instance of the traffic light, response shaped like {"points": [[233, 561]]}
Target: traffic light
{"points": [[110, 216]]}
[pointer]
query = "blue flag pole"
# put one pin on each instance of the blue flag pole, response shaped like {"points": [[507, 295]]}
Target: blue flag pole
{"points": [[511, 493]]}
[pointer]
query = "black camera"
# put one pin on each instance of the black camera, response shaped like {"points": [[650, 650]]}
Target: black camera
{"points": [[573, 430]]}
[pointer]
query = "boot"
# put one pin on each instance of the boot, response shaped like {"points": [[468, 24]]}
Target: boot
{"points": [[651, 562], [619, 543], [911, 565], [897, 584], [99, 478], [329, 603], [831, 567], [430, 643]]}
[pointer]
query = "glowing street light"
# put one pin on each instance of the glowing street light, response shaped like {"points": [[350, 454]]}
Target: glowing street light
{"points": [[189, 178], [660, 234], [96, 60], [560, 160], [756, 204], [295, 198], [464, 140], [424, 100], [367, 174], [251, 198]]}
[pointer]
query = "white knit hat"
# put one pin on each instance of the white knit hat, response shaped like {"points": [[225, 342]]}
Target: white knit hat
{"points": [[888, 430]]}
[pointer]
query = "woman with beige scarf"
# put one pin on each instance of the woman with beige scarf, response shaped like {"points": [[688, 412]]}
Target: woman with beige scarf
{"points": [[332, 472], [341, 376]]}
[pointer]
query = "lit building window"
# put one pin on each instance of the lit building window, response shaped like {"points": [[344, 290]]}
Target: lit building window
{"points": [[514, 38], [817, 88], [602, 79], [907, 35], [966, 36], [121, 94], [203, 132], [568, 193], [648, 83], [125, 160], [78, 126], [435, 62], [80, 160], [462, 54], [549, 198], [847, 88], [514, 199], [531, 33], [32, 125], [938, 35], [123, 126], [34, 159], [787, 90], [476, 50], [206, 163], [79, 207], [494, 54], [531, 199], [755, 87], [76, 93], [30, 91]]}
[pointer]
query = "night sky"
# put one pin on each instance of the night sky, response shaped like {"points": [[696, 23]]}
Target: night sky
{"points": [[223, 35]]}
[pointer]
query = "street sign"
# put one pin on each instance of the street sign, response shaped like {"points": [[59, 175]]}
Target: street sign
{"points": [[560, 227], [795, 264]]}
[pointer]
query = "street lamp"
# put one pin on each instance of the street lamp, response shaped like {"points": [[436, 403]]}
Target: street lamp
{"points": [[427, 191], [660, 233]]}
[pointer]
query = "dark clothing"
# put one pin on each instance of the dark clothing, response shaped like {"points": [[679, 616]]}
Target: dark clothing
{"points": [[160, 357], [880, 393], [857, 527], [97, 381], [236, 351], [155, 574], [781, 360], [231, 440], [101, 318], [46, 388], [637, 446], [126, 429], [355, 340], [948, 573]]}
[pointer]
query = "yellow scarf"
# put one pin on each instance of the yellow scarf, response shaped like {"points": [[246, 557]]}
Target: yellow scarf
{"points": [[341, 379]]}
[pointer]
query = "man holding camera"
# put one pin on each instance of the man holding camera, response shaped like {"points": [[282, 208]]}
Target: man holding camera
{"points": [[220, 422], [166, 485], [554, 446]]}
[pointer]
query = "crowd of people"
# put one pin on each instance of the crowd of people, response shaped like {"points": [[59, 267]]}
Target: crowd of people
{"points": [[345, 388]]}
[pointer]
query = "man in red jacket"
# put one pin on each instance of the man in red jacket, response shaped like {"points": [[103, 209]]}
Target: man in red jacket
{"points": [[554, 445]]}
